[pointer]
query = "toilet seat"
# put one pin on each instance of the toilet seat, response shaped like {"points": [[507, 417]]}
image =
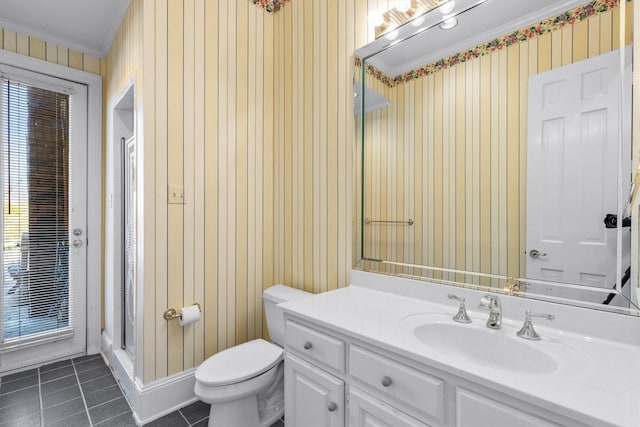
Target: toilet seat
{"points": [[239, 363]]}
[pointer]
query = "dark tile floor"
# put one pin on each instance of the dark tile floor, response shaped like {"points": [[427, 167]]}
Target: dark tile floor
{"points": [[75, 392], [196, 415], [79, 392]]}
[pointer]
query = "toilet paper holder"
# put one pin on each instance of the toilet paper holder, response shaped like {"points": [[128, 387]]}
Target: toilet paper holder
{"points": [[172, 313]]}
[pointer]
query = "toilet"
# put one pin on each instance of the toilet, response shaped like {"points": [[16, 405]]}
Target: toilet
{"points": [[245, 384]]}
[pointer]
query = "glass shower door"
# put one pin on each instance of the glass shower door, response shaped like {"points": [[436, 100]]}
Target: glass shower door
{"points": [[129, 247]]}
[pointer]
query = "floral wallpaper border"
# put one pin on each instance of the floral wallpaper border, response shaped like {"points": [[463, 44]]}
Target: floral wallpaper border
{"points": [[577, 14], [271, 6]]}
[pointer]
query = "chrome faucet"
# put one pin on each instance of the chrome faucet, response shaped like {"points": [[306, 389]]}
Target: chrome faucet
{"points": [[461, 316], [527, 332], [492, 304]]}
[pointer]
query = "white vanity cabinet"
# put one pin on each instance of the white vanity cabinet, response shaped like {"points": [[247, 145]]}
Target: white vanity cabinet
{"points": [[316, 378], [314, 389], [333, 380], [474, 410], [365, 411], [312, 396], [407, 388]]}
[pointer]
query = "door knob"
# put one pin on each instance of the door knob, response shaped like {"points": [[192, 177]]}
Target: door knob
{"points": [[332, 407], [76, 243], [534, 253]]}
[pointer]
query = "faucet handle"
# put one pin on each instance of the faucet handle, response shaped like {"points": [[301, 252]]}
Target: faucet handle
{"points": [[488, 302], [461, 316], [527, 331], [529, 314]]}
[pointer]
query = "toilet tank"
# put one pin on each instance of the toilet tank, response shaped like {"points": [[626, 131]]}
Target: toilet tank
{"points": [[275, 317]]}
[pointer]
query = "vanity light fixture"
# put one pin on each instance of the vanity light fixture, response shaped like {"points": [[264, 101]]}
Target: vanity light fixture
{"points": [[404, 11], [402, 5], [392, 35], [447, 7], [448, 23], [418, 21]]}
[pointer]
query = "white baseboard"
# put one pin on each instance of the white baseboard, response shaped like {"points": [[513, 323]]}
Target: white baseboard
{"points": [[105, 348], [155, 399], [164, 396]]}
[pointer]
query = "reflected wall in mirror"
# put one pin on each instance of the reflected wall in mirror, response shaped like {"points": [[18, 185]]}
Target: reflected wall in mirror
{"points": [[503, 158]]}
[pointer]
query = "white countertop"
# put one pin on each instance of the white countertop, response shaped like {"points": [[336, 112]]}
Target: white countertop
{"points": [[605, 390]]}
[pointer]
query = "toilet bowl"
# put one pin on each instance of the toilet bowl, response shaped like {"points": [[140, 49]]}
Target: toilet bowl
{"points": [[245, 383]]}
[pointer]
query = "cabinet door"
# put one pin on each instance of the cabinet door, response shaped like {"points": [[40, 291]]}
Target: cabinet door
{"points": [[474, 410], [367, 411], [313, 398]]}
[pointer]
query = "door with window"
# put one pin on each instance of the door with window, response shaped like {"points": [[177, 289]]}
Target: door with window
{"points": [[43, 177]]}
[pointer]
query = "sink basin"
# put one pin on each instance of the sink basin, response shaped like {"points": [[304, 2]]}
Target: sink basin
{"points": [[500, 349]]}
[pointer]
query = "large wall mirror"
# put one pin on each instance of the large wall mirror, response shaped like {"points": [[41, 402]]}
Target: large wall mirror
{"points": [[494, 149]]}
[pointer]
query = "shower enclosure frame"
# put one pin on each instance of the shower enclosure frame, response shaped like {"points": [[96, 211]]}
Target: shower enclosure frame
{"points": [[123, 121]]}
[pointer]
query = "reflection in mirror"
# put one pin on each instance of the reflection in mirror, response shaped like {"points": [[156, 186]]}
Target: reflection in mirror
{"points": [[505, 146]]}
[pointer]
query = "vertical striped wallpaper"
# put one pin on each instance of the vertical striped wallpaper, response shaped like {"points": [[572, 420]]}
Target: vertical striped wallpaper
{"points": [[314, 147], [450, 152], [30, 46], [251, 113]]}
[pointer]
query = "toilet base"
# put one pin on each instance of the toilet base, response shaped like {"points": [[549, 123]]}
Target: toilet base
{"points": [[235, 413]]}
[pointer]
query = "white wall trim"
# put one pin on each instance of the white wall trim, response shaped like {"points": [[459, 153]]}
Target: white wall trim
{"points": [[164, 396], [50, 38], [94, 183], [106, 349], [116, 128], [155, 399]]}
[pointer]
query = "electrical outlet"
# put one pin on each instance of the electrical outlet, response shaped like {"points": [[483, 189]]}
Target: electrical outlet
{"points": [[176, 194]]}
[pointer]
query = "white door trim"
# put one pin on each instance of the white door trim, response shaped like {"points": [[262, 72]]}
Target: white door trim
{"points": [[94, 181]]}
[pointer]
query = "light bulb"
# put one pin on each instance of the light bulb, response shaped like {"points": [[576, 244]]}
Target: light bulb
{"points": [[418, 21], [403, 5], [447, 7], [376, 18], [392, 35], [449, 24]]}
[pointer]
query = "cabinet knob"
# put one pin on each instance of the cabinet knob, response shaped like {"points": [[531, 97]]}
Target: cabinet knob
{"points": [[307, 345], [386, 381], [332, 407]]}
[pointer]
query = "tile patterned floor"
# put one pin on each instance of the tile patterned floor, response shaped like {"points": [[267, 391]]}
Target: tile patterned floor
{"points": [[196, 415], [79, 392]]}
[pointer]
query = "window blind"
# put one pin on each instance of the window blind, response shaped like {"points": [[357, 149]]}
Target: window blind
{"points": [[35, 158]]}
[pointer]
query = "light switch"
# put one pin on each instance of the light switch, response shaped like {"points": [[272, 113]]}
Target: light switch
{"points": [[176, 194]]}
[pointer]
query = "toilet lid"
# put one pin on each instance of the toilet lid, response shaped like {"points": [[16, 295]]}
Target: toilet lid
{"points": [[239, 363]]}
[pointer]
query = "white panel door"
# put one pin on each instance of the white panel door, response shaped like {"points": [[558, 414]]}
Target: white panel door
{"points": [[572, 172], [313, 398]]}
